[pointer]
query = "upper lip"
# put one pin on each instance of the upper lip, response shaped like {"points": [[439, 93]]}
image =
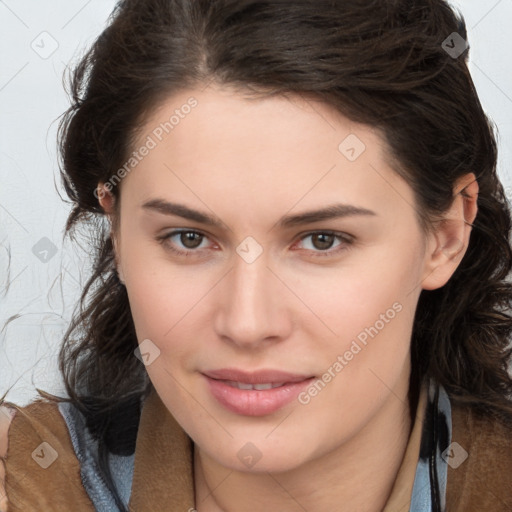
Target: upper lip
{"points": [[256, 377]]}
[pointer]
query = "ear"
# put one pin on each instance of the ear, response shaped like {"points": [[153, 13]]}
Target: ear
{"points": [[107, 202], [105, 197], [449, 240]]}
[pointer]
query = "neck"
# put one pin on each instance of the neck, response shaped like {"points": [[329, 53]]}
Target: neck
{"points": [[358, 475]]}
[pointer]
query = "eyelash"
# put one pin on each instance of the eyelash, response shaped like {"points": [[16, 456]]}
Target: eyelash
{"points": [[346, 240]]}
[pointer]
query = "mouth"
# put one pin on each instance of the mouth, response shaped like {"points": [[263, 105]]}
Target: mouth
{"points": [[257, 393], [258, 387], [264, 376]]}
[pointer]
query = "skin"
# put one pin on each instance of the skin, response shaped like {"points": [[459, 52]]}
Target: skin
{"points": [[249, 163]]}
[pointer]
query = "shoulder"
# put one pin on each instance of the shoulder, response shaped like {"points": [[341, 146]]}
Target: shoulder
{"points": [[6, 415], [480, 462], [41, 468]]}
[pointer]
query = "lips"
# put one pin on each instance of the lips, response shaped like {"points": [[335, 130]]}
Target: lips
{"points": [[254, 393], [258, 387], [257, 377]]}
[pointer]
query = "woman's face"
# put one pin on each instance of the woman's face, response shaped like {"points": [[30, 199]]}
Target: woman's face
{"points": [[319, 305]]}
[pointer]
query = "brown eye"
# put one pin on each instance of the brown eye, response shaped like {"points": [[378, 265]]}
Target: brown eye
{"points": [[183, 242], [190, 239], [322, 241]]}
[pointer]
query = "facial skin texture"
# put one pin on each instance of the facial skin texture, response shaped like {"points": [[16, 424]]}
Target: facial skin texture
{"points": [[249, 163]]}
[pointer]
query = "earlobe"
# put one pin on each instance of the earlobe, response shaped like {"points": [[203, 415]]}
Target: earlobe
{"points": [[449, 240]]}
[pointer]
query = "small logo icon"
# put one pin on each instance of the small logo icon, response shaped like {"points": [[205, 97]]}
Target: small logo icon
{"points": [[249, 454], [147, 352], [454, 45], [45, 45], [45, 455], [352, 147], [454, 455], [45, 250], [249, 250]]}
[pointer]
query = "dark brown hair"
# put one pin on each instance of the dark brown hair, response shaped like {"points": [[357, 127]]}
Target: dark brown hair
{"points": [[379, 62]]}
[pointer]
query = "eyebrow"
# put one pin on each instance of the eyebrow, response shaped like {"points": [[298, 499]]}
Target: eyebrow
{"points": [[329, 212]]}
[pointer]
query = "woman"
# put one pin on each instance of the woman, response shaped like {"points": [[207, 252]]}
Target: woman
{"points": [[299, 298]]}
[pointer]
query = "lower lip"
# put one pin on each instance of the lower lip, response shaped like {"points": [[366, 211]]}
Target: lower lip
{"points": [[252, 402]]}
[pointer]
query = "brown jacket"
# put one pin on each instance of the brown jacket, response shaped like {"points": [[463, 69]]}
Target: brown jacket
{"points": [[482, 483]]}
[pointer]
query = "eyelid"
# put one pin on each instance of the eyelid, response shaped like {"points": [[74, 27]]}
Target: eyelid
{"points": [[163, 240], [345, 239]]}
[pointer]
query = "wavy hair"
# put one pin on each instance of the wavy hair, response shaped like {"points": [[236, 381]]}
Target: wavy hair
{"points": [[379, 62]]}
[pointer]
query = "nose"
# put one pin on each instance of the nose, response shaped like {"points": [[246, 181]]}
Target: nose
{"points": [[252, 305]]}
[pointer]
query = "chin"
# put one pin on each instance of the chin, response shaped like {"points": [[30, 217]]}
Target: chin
{"points": [[241, 454]]}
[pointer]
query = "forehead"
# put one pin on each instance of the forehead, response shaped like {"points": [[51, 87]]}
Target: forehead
{"points": [[275, 151]]}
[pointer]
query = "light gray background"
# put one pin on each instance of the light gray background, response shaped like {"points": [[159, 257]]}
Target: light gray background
{"points": [[37, 40]]}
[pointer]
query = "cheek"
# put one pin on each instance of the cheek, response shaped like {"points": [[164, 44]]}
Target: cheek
{"points": [[161, 313], [368, 333], [367, 313], [160, 292], [160, 308], [167, 303], [347, 300], [372, 318]]}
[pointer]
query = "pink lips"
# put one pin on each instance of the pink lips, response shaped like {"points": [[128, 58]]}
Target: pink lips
{"points": [[283, 387]]}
